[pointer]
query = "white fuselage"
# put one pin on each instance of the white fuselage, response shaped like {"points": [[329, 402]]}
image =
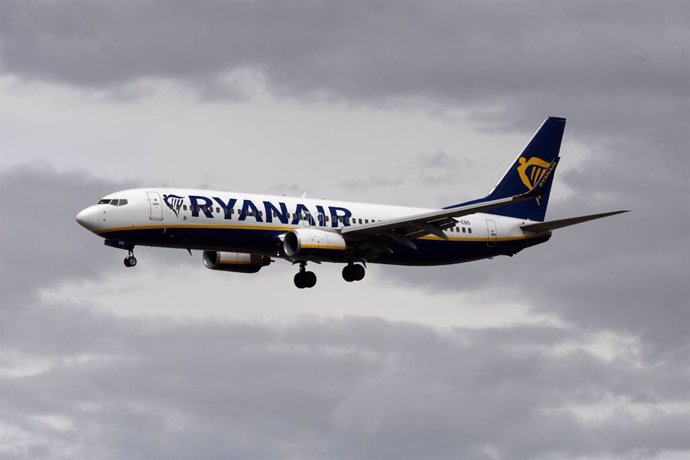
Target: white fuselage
{"points": [[225, 221]]}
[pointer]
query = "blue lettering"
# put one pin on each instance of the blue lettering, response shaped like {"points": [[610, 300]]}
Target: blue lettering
{"points": [[281, 214], [227, 207], [321, 215], [205, 206], [254, 211], [339, 213], [300, 212]]}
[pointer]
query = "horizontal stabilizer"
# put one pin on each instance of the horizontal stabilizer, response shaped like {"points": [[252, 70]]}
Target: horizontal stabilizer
{"points": [[554, 224]]}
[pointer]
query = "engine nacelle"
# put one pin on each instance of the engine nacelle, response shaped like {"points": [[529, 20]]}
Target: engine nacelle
{"points": [[235, 261], [313, 242]]}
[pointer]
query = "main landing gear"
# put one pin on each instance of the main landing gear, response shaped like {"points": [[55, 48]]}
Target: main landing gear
{"points": [[130, 260], [304, 279], [353, 272]]}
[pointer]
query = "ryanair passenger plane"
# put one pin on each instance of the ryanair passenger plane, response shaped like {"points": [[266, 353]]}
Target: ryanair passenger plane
{"points": [[240, 232]]}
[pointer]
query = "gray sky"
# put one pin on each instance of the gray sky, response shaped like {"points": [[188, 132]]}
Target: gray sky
{"points": [[574, 349]]}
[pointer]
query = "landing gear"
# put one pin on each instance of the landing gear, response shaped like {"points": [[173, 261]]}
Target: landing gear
{"points": [[353, 272], [130, 260], [304, 279]]}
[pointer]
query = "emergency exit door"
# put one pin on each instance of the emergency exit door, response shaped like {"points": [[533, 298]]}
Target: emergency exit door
{"points": [[492, 233]]}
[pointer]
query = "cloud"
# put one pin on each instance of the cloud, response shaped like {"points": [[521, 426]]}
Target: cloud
{"points": [[462, 51], [41, 243], [350, 388]]}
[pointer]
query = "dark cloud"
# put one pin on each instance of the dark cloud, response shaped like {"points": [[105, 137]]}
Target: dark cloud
{"points": [[482, 52], [40, 242], [351, 388]]}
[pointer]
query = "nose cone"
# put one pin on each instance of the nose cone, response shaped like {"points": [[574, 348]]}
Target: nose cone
{"points": [[88, 218]]}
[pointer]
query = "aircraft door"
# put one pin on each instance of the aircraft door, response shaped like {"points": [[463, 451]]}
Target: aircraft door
{"points": [[155, 206], [492, 233]]}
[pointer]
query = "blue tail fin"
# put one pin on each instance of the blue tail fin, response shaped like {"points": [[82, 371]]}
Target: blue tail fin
{"points": [[541, 150]]}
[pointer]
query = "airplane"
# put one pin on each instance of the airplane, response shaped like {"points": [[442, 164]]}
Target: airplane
{"points": [[243, 232]]}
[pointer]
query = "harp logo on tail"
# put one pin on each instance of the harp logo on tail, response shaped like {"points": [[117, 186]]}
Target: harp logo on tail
{"points": [[174, 202], [531, 171]]}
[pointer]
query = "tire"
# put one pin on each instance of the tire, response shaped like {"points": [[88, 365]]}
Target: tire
{"points": [[358, 272], [347, 273], [299, 281], [309, 279]]}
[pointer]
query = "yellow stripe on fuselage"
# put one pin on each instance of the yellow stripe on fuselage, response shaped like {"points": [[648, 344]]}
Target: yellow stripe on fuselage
{"points": [[196, 226]]}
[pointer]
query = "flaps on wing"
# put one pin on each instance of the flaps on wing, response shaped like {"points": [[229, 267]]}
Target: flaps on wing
{"points": [[560, 223], [433, 223]]}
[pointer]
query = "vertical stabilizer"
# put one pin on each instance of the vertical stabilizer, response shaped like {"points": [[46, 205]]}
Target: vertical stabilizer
{"points": [[527, 170]]}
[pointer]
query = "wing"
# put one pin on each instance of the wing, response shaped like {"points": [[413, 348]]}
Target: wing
{"points": [[554, 224], [403, 230]]}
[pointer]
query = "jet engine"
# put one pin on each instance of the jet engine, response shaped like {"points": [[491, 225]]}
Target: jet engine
{"points": [[235, 261], [313, 242]]}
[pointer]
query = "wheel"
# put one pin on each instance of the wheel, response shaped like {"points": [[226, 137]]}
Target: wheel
{"points": [[130, 261], [299, 280], [309, 279], [358, 272], [347, 273]]}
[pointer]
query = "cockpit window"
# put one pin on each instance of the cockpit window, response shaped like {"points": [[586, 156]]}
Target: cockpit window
{"points": [[113, 202]]}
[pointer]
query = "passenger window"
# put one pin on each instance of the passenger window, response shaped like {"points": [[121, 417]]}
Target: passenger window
{"points": [[218, 210], [469, 230], [184, 207], [463, 229], [360, 221]]}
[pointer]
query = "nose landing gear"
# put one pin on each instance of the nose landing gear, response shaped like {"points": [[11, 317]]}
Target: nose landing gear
{"points": [[353, 272], [130, 260], [304, 279]]}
